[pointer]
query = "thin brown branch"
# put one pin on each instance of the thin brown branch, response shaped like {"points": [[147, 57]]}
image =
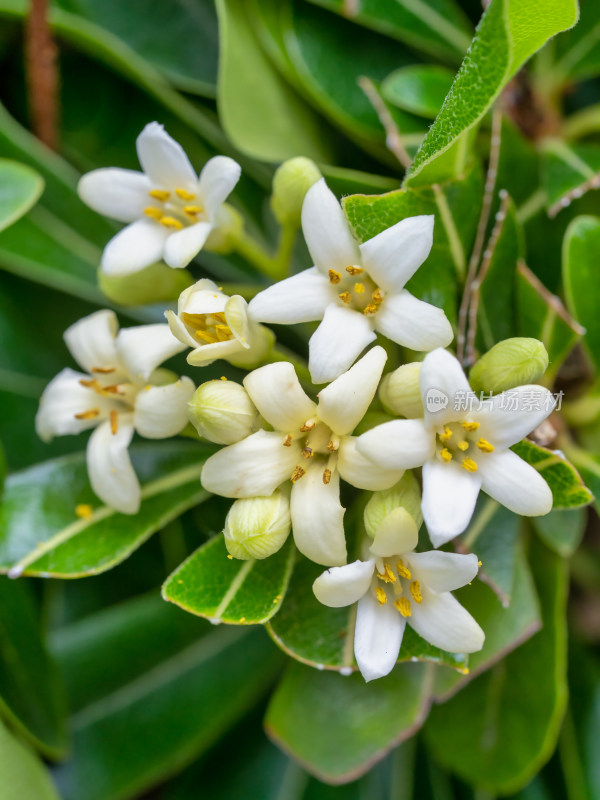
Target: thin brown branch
{"points": [[42, 74], [393, 138], [554, 302]]}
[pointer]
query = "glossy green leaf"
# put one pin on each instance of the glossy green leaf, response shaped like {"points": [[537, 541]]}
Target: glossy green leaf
{"points": [[509, 33], [31, 693], [134, 673], [337, 726], [510, 717], [23, 774], [418, 89], [223, 589], [581, 254], [41, 534], [579, 737], [568, 489], [20, 188], [588, 465], [562, 530], [568, 172]]}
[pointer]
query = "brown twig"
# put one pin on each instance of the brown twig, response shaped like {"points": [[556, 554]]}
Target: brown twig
{"points": [[42, 74], [393, 138]]}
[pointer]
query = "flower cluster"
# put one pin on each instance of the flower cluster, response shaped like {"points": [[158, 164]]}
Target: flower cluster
{"points": [[286, 450]]}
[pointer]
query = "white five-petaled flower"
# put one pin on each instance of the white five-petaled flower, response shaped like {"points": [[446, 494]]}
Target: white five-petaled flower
{"points": [[171, 211], [115, 395], [217, 326], [311, 445], [354, 289], [396, 585], [463, 445]]}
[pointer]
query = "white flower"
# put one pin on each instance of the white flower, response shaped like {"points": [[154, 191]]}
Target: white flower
{"points": [[312, 445], [463, 445], [217, 326], [396, 586], [171, 211], [354, 289], [115, 395]]}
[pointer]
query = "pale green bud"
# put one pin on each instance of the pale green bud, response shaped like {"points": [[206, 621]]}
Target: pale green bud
{"points": [[510, 363], [228, 228], [257, 527], [291, 182], [154, 284], [222, 412], [405, 494], [400, 393]]}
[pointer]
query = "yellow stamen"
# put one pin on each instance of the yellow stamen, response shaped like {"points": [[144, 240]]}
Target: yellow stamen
{"points": [[103, 370], [415, 590], [89, 414], [333, 445], [223, 332], [171, 222], [388, 576], [326, 476], [403, 606], [153, 213], [192, 211], [485, 446], [403, 570], [219, 316], [114, 388], [334, 276], [223, 378], [377, 297], [464, 445], [183, 194], [345, 297], [205, 336], [160, 194], [381, 595], [470, 426], [308, 426], [287, 442], [469, 465], [354, 270], [479, 563], [445, 454], [93, 384], [370, 309], [114, 422], [84, 510], [307, 452], [359, 288], [297, 474]]}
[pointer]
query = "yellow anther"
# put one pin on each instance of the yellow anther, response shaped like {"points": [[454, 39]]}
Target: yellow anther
{"points": [[445, 454], [403, 606], [415, 590], [219, 316], [381, 595], [89, 414], [354, 270], [223, 332], [390, 577], [103, 370], [112, 389], [230, 557], [470, 426], [307, 452], [84, 510], [333, 445], [463, 445], [359, 288], [183, 194], [334, 276], [205, 336], [371, 308], [192, 211], [93, 384], [377, 297], [403, 570], [485, 446], [114, 422], [297, 474], [446, 435], [171, 222], [326, 476], [479, 563], [287, 442], [469, 465], [308, 426], [345, 297], [160, 194], [154, 213], [223, 378]]}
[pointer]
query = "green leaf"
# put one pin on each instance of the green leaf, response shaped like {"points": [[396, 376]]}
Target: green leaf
{"points": [[221, 589], [577, 54], [509, 33], [23, 775], [588, 464], [41, 534], [31, 693], [150, 690], [20, 189], [568, 490], [324, 637], [510, 717], [568, 172], [419, 89], [337, 726], [562, 530], [581, 254]]}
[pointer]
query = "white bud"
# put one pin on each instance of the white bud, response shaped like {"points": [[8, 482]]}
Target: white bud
{"points": [[405, 494], [291, 182], [400, 392], [222, 412], [257, 527]]}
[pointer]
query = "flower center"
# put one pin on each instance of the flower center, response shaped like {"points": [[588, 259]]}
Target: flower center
{"points": [[120, 393], [356, 289], [460, 441], [208, 328], [394, 583], [177, 209], [318, 441]]}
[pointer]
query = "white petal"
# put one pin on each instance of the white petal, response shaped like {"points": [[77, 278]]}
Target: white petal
{"points": [[359, 471], [204, 297], [236, 316], [318, 517], [444, 388], [91, 340], [137, 246], [116, 193], [443, 622], [443, 572], [326, 230], [301, 298], [275, 390], [207, 353], [179, 330], [164, 160], [413, 323], [395, 254], [507, 417], [338, 341], [342, 586], [109, 467], [217, 180], [254, 467], [514, 483], [161, 411], [62, 399], [344, 402], [143, 347], [377, 637], [398, 534], [449, 497], [183, 245], [400, 444]]}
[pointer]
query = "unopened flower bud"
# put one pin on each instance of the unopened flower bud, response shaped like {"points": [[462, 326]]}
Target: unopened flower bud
{"points": [[510, 363], [155, 284], [222, 412], [400, 393], [229, 225], [291, 182], [257, 527], [405, 494]]}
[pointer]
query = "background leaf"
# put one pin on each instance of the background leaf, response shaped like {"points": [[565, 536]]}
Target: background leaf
{"points": [[581, 254], [23, 775], [20, 188]]}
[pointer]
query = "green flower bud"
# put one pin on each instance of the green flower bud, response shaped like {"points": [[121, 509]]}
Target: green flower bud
{"points": [[222, 412], [291, 182], [400, 393], [229, 226], [405, 494], [257, 527], [155, 284], [510, 363]]}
